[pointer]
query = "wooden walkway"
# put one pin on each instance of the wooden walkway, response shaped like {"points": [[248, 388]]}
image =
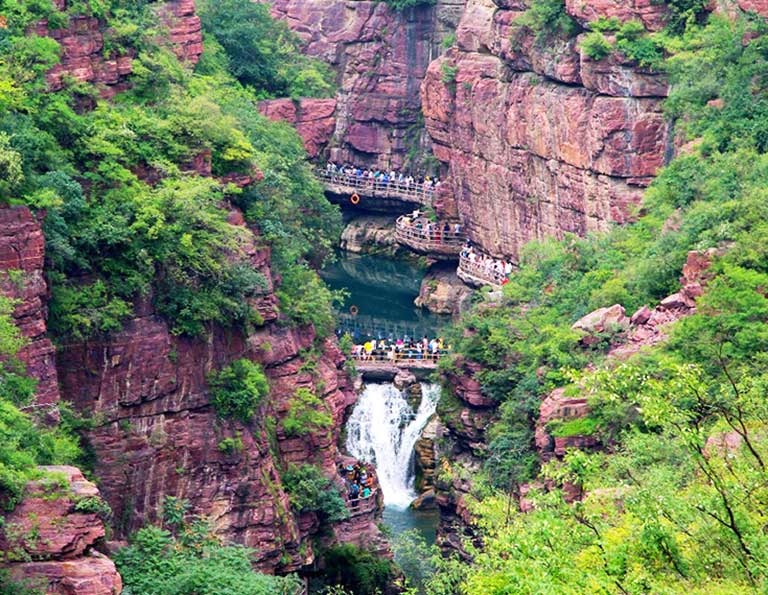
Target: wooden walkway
{"points": [[342, 184], [436, 243], [477, 275]]}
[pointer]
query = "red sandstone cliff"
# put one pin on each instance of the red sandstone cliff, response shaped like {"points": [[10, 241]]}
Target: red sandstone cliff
{"points": [[381, 57], [539, 140], [22, 249]]}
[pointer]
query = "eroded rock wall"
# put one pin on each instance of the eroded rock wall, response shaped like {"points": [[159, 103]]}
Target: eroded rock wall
{"points": [[156, 433], [22, 252], [381, 57], [538, 139]]}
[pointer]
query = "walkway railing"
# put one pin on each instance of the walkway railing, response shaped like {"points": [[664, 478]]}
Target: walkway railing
{"points": [[479, 273], [362, 505], [417, 237], [353, 184], [408, 358]]}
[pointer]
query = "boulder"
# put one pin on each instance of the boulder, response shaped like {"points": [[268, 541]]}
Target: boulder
{"points": [[603, 320]]}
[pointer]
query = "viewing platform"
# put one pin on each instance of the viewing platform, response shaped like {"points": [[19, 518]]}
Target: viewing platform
{"points": [[479, 273], [435, 242], [362, 187]]}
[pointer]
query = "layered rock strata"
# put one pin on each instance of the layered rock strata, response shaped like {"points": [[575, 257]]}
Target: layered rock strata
{"points": [[381, 57], [50, 539], [538, 139], [22, 252], [157, 433]]}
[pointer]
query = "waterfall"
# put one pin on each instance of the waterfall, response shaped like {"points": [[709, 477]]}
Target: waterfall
{"points": [[383, 430]]}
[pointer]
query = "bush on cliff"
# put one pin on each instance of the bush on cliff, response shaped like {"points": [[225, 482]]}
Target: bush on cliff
{"points": [[24, 444], [310, 491], [238, 389], [193, 562]]}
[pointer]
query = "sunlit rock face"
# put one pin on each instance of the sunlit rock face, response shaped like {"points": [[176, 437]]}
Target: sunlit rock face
{"points": [[540, 140]]}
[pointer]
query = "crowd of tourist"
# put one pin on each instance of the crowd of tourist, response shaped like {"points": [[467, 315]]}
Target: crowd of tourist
{"points": [[360, 482], [378, 176], [401, 350], [494, 269], [431, 230]]}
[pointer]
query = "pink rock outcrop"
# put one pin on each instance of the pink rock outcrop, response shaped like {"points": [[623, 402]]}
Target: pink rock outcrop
{"points": [[539, 143], [82, 47], [314, 119], [47, 542], [22, 251]]}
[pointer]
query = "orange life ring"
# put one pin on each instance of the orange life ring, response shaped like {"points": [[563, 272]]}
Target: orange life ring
{"points": [[354, 199], [353, 310]]}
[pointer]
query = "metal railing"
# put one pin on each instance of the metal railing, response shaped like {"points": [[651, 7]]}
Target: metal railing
{"points": [[417, 235], [406, 358], [353, 184], [479, 272]]}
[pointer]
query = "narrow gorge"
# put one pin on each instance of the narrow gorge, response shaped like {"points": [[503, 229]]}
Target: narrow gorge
{"points": [[381, 297]]}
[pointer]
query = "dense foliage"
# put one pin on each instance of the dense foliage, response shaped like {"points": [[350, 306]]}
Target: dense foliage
{"points": [[310, 491], [263, 52], [127, 217], [189, 560], [357, 570], [675, 501]]}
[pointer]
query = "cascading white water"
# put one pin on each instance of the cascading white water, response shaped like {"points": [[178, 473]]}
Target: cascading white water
{"points": [[383, 430]]}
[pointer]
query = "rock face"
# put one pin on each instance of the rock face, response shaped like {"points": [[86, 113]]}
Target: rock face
{"points": [[314, 120], [540, 140], [47, 542], [82, 47], [22, 250], [442, 292], [381, 57], [370, 234], [158, 434]]}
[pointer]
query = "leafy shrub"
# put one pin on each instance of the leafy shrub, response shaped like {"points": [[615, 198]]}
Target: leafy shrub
{"points": [[94, 505], [310, 491], [596, 46], [238, 389], [231, 445], [548, 18], [358, 570], [583, 426], [604, 24], [9, 586], [308, 414], [448, 41], [158, 563], [632, 39]]}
